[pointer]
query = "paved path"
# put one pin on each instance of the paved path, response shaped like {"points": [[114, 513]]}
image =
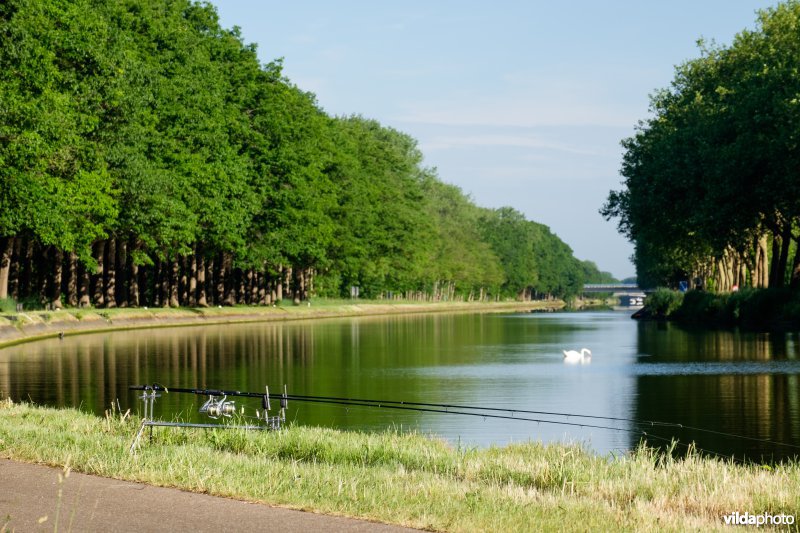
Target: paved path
{"points": [[90, 503]]}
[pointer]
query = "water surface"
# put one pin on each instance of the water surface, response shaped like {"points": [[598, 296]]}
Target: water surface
{"points": [[726, 382]]}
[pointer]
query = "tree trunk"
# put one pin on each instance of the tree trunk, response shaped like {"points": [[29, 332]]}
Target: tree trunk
{"points": [[261, 287], [279, 284], [26, 267], [296, 284], [123, 273], [309, 283], [134, 298], [786, 241], [164, 275], [776, 256], [97, 280], [252, 287], [272, 291], [58, 269], [84, 287], [720, 281], [41, 280], [72, 280], [201, 280], [795, 282], [156, 283], [183, 282], [210, 281], [14, 270], [111, 273], [762, 263], [6, 249], [175, 274], [242, 292], [230, 281], [220, 278], [192, 287]]}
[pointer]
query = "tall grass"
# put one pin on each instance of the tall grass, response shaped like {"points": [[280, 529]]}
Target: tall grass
{"points": [[410, 479]]}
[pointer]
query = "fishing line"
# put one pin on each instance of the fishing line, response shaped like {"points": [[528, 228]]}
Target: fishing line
{"points": [[505, 417], [542, 421], [446, 409], [647, 423]]}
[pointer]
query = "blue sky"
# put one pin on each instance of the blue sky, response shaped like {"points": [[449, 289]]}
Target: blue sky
{"points": [[519, 103]]}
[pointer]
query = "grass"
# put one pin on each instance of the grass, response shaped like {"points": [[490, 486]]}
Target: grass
{"points": [[409, 479]]}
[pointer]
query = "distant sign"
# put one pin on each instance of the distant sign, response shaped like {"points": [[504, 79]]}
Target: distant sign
{"points": [[683, 286]]}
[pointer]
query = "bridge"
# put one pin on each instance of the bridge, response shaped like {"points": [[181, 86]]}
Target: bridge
{"points": [[629, 294], [612, 287]]}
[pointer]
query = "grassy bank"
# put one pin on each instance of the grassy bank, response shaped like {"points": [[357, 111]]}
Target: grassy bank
{"points": [[30, 325], [410, 479], [760, 309]]}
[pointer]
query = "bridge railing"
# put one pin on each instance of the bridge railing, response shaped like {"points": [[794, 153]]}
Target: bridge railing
{"points": [[612, 286]]}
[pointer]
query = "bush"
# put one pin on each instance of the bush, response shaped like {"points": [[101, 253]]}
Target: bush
{"points": [[8, 305], [705, 308], [791, 311], [763, 307], [663, 303], [750, 308]]}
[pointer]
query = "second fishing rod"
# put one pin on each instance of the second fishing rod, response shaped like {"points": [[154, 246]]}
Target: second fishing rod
{"points": [[568, 419]]}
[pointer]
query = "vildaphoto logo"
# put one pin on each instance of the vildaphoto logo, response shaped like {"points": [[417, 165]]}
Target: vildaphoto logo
{"points": [[763, 519]]}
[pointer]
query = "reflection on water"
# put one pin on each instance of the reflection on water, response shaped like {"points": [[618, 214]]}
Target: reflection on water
{"points": [[724, 381], [729, 382]]}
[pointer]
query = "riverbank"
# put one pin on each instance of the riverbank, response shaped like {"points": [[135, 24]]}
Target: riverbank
{"points": [[409, 479], [33, 325], [751, 309]]}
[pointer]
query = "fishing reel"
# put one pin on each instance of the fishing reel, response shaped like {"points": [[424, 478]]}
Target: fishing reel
{"points": [[217, 407]]}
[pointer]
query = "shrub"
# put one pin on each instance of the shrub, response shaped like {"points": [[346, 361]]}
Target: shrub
{"points": [[763, 307], [663, 302], [8, 305], [705, 308]]}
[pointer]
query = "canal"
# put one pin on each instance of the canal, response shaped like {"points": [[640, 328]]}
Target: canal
{"points": [[716, 384]]}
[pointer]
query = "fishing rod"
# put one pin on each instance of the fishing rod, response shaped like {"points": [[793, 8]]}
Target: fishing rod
{"points": [[643, 423], [634, 431], [486, 412], [216, 406]]}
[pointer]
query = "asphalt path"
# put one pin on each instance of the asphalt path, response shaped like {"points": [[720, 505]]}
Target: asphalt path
{"points": [[41, 498]]}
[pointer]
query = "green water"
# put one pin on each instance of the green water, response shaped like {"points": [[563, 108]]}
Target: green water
{"points": [[726, 382]]}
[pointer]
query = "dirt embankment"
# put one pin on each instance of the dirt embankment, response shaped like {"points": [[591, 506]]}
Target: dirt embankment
{"points": [[25, 326]]}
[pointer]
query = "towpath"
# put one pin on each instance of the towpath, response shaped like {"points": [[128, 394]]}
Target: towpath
{"points": [[41, 498]]}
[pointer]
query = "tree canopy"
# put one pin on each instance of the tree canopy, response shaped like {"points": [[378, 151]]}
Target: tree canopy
{"points": [[711, 192], [147, 157]]}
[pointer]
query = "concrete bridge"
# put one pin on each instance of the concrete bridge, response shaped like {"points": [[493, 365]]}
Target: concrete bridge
{"points": [[612, 287], [629, 294]]}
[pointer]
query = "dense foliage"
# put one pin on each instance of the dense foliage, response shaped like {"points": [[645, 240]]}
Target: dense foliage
{"points": [[148, 158], [711, 189], [755, 309]]}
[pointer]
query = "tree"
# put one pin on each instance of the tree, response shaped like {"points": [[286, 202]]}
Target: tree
{"points": [[716, 163]]}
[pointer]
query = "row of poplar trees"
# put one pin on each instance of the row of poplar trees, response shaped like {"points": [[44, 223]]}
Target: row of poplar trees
{"points": [[712, 191], [148, 158]]}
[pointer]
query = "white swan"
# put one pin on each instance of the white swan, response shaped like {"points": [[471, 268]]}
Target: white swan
{"points": [[572, 356]]}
